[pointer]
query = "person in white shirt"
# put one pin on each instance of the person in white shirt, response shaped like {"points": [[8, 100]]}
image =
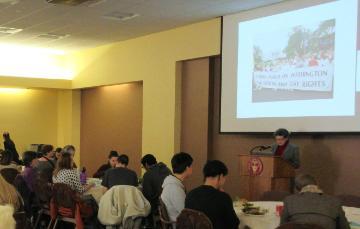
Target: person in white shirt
{"points": [[174, 194]]}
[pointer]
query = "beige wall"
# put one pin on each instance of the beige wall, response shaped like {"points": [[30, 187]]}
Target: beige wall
{"points": [[35, 116], [151, 59], [111, 119]]}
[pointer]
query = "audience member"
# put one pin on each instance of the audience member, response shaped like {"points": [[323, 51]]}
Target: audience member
{"points": [[9, 195], [38, 152], [112, 160], [30, 161], [312, 206], [57, 153], [173, 194], [211, 199], [46, 164], [6, 217], [7, 162], [10, 145], [120, 175], [153, 179], [70, 149], [66, 173]]}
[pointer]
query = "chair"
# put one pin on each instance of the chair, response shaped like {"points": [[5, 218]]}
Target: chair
{"points": [[9, 174], [43, 192], [124, 206], [192, 219], [25, 193], [21, 220], [274, 196], [64, 206], [44, 210], [166, 223], [349, 200]]}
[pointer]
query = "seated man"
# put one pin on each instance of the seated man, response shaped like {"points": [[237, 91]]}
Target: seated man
{"points": [[211, 200], [120, 175], [173, 194], [153, 179], [311, 206], [112, 158]]}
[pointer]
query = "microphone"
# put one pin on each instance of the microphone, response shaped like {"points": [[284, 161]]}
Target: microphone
{"points": [[265, 147], [259, 149]]}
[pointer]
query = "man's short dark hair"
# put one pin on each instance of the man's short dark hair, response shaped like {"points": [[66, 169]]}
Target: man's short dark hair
{"points": [[180, 162], [28, 157], [123, 159], [282, 132], [303, 180], [113, 153], [45, 149], [214, 168], [148, 159]]}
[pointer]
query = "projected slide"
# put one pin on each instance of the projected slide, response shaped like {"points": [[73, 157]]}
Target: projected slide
{"points": [[306, 62], [294, 64]]}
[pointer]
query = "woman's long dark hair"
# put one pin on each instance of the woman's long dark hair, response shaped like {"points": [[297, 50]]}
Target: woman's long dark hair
{"points": [[65, 162]]}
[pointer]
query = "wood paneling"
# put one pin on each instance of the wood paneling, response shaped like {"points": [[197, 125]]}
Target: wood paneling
{"points": [[194, 115], [111, 119]]}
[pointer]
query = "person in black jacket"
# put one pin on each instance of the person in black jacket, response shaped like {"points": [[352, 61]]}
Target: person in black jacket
{"points": [[10, 146], [211, 199], [112, 161], [153, 179]]}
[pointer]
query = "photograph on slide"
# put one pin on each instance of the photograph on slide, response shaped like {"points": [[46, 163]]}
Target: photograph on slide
{"points": [[295, 63]]}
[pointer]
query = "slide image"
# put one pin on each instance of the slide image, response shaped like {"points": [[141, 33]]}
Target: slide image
{"points": [[296, 63]]}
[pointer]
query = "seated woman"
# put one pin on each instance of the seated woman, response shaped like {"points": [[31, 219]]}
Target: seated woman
{"points": [[30, 161], [46, 164], [9, 195], [71, 150], [66, 173], [57, 153]]}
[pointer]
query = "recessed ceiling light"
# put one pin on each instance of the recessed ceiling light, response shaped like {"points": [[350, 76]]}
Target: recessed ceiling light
{"points": [[53, 36], [120, 16], [71, 2], [8, 30], [12, 2]]}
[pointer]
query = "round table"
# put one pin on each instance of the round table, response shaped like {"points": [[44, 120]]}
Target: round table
{"points": [[267, 221], [97, 192], [270, 220]]}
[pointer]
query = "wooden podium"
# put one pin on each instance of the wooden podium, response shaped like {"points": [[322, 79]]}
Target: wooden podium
{"points": [[264, 173]]}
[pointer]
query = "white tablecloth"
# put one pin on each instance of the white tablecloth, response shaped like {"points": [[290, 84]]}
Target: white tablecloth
{"points": [[270, 220], [97, 192]]}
